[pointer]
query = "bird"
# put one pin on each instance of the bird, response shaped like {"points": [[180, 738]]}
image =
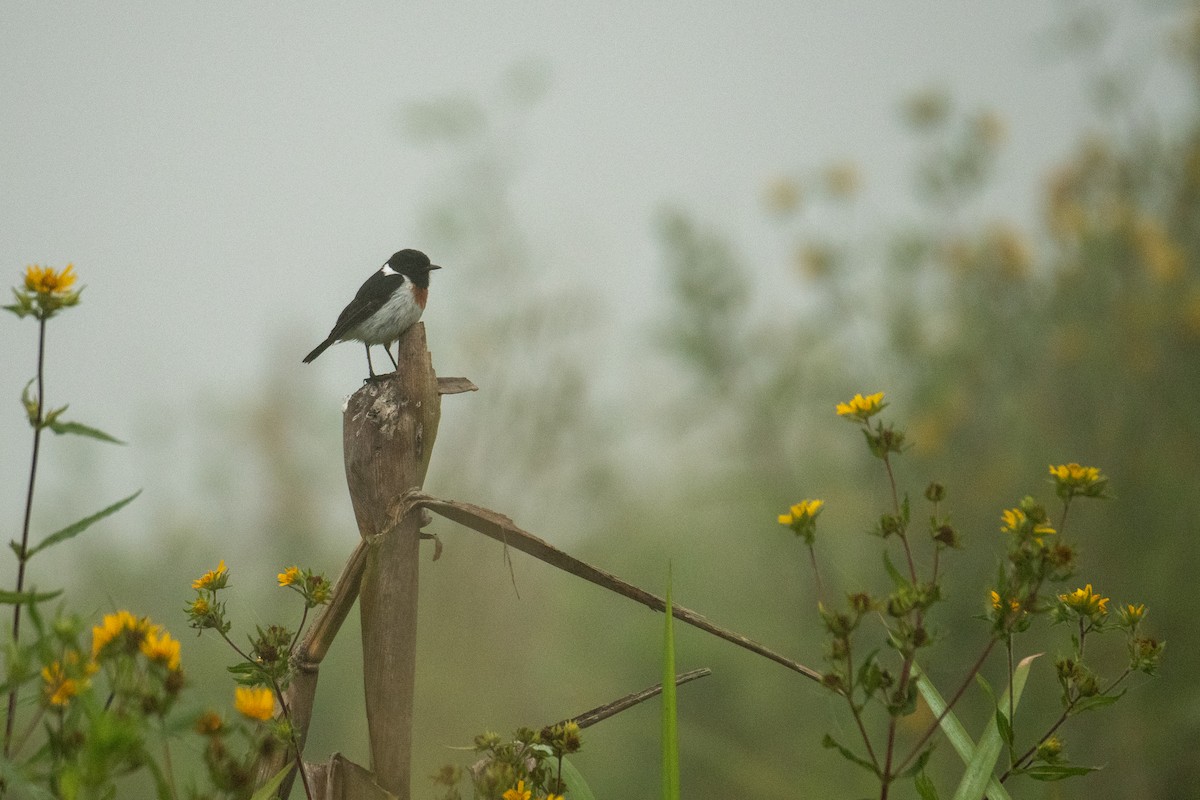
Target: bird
{"points": [[387, 304]]}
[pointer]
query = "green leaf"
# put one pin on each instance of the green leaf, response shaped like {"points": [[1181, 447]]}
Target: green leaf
{"points": [[954, 731], [1096, 701], [79, 429], [20, 598], [1056, 772], [268, 789], [31, 405], [1005, 727], [978, 775], [925, 787], [577, 788], [670, 730], [898, 579], [829, 743], [73, 530]]}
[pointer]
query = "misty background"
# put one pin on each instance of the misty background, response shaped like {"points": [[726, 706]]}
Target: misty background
{"points": [[673, 237]]}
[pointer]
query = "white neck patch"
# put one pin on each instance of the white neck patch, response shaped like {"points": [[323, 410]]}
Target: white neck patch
{"points": [[387, 270]]}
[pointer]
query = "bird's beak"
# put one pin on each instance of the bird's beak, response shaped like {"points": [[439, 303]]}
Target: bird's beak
{"points": [[434, 266]]}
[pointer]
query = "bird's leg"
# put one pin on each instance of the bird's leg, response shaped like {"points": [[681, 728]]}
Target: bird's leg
{"points": [[370, 368], [387, 348]]}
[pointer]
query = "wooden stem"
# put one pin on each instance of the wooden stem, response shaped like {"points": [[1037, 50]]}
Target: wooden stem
{"points": [[389, 427]]}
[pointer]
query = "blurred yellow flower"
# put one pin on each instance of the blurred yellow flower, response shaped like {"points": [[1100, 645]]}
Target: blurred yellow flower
{"points": [[289, 576], [209, 723], [118, 624], [161, 647], [805, 509], [1163, 258], [213, 579], [58, 688], [519, 792], [782, 196], [1011, 251], [843, 180], [862, 408], [990, 128], [47, 280], [254, 702], [815, 260], [999, 604]]}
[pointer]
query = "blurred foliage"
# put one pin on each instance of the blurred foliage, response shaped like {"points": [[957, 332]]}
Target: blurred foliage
{"points": [[1077, 339]]}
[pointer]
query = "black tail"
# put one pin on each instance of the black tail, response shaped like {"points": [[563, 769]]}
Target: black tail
{"points": [[318, 349]]}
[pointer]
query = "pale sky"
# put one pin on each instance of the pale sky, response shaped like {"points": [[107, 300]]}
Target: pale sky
{"points": [[222, 174]]}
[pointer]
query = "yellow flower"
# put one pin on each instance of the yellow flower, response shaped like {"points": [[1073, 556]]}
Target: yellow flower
{"points": [[1085, 602], [255, 702], [213, 579], [999, 604], [58, 688], [1072, 479], [199, 606], [1015, 521], [289, 576], [47, 280], [118, 624], [862, 408], [518, 793], [802, 518], [159, 646], [805, 509], [1133, 614], [1074, 472]]}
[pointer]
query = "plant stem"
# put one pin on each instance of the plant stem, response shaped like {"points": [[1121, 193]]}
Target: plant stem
{"points": [[1012, 710], [11, 720], [292, 735], [854, 709], [912, 570], [168, 768], [812, 557], [303, 619]]}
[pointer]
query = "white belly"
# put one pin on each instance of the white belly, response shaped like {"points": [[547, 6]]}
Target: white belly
{"points": [[396, 316]]}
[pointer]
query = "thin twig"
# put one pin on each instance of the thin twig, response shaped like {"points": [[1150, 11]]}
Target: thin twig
{"points": [[22, 557], [601, 713], [499, 527]]}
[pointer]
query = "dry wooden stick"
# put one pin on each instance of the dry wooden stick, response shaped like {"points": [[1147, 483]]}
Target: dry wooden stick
{"points": [[601, 713], [502, 529]]}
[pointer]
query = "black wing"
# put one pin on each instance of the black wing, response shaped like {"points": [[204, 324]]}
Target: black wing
{"points": [[371, 297]]}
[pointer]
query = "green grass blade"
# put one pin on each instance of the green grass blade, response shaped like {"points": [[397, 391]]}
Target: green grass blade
{"points": [[954, 731], [670, 731], [268, 789], [73, 530], [577, 788], [979, 770]]}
